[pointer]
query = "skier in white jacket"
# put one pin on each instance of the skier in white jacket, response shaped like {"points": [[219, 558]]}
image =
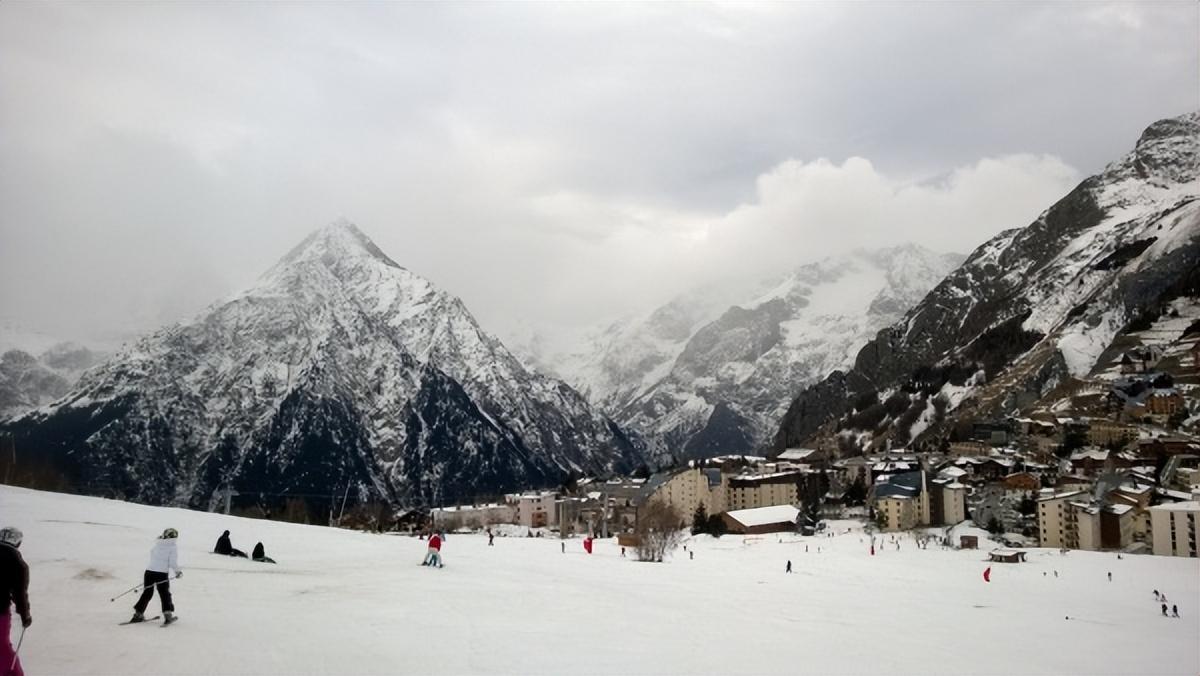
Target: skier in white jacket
{"points": [[164, 558]]}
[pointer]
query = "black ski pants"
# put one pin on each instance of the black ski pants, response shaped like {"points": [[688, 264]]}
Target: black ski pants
{"points": [[164, 592]]}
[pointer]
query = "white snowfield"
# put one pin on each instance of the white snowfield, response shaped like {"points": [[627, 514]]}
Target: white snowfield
{"points": [[341, 602]]}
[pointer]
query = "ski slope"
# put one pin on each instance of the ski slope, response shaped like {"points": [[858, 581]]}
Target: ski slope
{"points": [[342, 602]]}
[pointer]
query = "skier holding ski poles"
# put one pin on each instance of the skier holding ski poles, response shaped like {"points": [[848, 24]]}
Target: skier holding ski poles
{"points": [[14, 588], [164, 557]]}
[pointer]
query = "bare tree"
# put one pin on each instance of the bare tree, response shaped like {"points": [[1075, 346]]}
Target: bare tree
{"points": [[658, 530]]}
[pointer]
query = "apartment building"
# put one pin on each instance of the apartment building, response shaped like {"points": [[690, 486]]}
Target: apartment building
{"points": [[751, 491], [1057, 521], [1173, 528]]}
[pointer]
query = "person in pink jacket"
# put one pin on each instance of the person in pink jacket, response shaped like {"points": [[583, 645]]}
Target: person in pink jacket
{"points": [[14, 590]]}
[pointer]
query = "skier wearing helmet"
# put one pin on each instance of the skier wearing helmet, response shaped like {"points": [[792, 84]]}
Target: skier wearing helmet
{"points": [[14, 588], [164, 558]]}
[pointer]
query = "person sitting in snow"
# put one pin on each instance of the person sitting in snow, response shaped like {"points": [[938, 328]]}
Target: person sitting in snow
{"points": [[224, 546], [260, 554]]}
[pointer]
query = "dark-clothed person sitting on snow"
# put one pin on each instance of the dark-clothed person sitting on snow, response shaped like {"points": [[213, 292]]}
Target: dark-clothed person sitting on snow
{"points": [[260, 554], [224, 546]]}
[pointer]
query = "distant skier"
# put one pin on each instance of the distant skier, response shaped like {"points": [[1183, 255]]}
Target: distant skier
{"points": [[1110, 577], [622, 552], [1174, 610], [225, 546], [587, 545], [563, 547], [164, 557], [1164, 609], [1155, 594], [789, 566], [433, 555], [691, 555], [491, 537], [260, 554], [14, 589]]}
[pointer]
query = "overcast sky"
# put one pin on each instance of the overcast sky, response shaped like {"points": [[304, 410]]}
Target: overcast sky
{"points": [[552, 163]]}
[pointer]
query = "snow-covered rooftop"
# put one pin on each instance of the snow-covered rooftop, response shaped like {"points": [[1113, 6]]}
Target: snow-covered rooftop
{"points": [[1189, 506], [1060, 496], [762, 516], [796, 454]]}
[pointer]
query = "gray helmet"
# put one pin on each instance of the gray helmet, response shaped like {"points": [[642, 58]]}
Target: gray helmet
{"points": [[170, 533], [11, 536]]}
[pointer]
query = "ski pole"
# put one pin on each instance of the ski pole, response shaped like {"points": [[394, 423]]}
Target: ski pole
{"points": [[13, 667], [124, 593], [140, 586]]}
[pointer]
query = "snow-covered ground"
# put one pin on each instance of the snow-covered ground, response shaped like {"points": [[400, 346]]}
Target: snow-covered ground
{"points": [[342, 602]]}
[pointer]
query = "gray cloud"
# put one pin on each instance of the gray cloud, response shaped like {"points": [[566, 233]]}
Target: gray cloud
{"points": [[551, 163]]}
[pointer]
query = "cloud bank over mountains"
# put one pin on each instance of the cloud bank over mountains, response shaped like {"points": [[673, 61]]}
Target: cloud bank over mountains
{"points": [[552, 163]]}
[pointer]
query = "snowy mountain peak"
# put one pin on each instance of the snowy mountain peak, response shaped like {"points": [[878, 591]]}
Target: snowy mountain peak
{"points": [[712, 370], [340, 241], [337, 368]]}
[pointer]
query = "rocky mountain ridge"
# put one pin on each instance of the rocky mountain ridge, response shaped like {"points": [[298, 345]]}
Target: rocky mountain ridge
{"points": [[1028, 309], [338, 370]]}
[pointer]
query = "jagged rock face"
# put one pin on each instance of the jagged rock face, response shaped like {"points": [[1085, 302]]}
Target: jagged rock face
{"points": [[1042, 302], [338, 368], [27, 382], [712, 371]]}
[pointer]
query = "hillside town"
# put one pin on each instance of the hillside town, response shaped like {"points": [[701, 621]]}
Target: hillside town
{"points": [[1114, 466]]}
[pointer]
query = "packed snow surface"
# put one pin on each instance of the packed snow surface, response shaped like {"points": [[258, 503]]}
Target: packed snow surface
{"points": [[342, 602]]}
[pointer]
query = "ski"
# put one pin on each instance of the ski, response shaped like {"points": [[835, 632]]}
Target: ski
{"points": [[148, 619]]}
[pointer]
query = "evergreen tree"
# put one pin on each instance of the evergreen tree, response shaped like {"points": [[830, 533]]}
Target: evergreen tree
{"points": [[994, 527], [699, 519], [856, 493], [716, 525]]}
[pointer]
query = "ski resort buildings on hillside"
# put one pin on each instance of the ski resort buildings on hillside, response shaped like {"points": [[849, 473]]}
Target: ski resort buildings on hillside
{"points": [[1065, 482]]}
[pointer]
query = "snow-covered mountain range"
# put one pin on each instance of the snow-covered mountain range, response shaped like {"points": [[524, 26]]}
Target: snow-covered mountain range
{"points": [[1028, 309], [36, 372], [712, 371], [338, 368]]}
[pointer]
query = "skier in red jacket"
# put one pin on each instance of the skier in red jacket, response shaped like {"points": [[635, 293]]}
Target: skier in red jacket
{"points": [[433, 556]]}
